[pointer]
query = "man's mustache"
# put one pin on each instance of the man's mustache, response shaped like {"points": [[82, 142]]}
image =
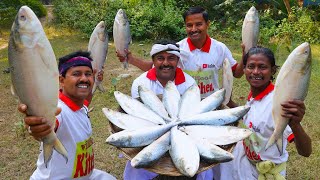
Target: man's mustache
{"points": [[170, 67]]}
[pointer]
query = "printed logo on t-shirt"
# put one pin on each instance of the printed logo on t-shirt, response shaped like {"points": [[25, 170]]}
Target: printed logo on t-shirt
{"points": [[204, 80], [84, 159], [204, 66], [253, 144]]}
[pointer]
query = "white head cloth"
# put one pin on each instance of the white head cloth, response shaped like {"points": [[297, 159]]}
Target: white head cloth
{"points": [[169, 48]]}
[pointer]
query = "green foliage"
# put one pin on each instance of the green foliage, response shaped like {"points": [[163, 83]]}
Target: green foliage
{"points": [[151, 19], [156, 20], [148, 20], [9, 8], [299, 26]]}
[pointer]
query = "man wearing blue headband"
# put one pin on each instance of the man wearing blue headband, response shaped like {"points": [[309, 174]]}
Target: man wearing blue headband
{"points": [[73, 126]]}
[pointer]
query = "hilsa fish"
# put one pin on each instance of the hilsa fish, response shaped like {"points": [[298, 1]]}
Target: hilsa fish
{"points": [[121, 34], [292, 83], [98, 46], [250, 29], [227, 81], [34, 74]]}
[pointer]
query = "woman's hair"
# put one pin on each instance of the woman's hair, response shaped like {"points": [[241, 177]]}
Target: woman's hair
{"points": [[264, 51]]}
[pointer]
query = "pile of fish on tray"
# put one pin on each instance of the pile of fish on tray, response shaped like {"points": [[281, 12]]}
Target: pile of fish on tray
{"points": [[186, 126]]}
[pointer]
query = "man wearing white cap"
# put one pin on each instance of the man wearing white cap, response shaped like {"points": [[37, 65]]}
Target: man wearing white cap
{"points": [[165, 57], [201, 56]]}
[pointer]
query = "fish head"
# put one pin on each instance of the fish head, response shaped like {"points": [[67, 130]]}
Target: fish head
{"points": [[301, 57], [26, 28], [101, 31], [121, 17], [252, 15]]}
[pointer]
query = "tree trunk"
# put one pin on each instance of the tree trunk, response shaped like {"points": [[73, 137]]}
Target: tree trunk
{"points": [[286, 2]]}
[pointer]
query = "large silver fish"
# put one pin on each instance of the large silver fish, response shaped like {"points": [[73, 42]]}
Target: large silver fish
{"points": [[211, 102], [171, 99], [292, 83], [139, 137], [136, 108], [189, 100], [227, 81], [217, 118], [151, 100], [212, 153], [98, 46], [34, 74], [121, 34], [184, 153], [218, 135], [152, 153], [126, 121], [250, 29]]}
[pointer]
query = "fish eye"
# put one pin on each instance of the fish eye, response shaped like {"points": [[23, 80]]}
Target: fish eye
{"points": [[23, 18]]}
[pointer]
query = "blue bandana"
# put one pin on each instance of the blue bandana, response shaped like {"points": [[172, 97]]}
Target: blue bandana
{"points": [[75, 61]]}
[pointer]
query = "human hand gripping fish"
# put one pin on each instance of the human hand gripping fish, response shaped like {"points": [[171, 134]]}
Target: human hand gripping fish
{"points": [[38, 127]]}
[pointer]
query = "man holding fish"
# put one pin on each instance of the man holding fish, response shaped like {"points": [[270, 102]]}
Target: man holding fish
{"points": [[165, 57], [201, 56], [73, 126]]}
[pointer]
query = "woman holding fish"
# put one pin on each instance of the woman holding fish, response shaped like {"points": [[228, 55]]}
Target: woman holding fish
{"points": [[253, 160]]}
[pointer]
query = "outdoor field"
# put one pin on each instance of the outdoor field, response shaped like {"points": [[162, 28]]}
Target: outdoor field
{"points": [[19, 151]]}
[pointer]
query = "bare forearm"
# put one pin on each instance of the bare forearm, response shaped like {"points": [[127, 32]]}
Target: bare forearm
{"points": [[302, 140], [239, 70], [142, 64]]}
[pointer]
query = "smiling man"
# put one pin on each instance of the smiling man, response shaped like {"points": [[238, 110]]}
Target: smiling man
{"points": [[201, 56], [72, 127], [165, 57]]}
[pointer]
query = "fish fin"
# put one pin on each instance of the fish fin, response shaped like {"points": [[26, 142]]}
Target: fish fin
{"points": [[58, 146], [47, 153], [101, 88]]}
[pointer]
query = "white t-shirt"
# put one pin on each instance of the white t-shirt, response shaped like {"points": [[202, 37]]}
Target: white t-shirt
{"points": [[204, 64], [259, 119], [74, 132], [148, 79]]}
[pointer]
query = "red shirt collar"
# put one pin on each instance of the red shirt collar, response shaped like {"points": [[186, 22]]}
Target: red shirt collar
{"points": [[205, 48], [265, 92], [179, 78], [73, 106]]}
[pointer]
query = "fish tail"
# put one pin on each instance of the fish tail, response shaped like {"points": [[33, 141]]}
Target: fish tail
{"points": [[280, 145], [125, 64], [278, 141], [94, 88], [271, 141], [48, 150], [101, 88]]}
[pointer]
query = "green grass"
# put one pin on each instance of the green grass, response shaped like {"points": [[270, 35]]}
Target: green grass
{"points": [[19, 151]]}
